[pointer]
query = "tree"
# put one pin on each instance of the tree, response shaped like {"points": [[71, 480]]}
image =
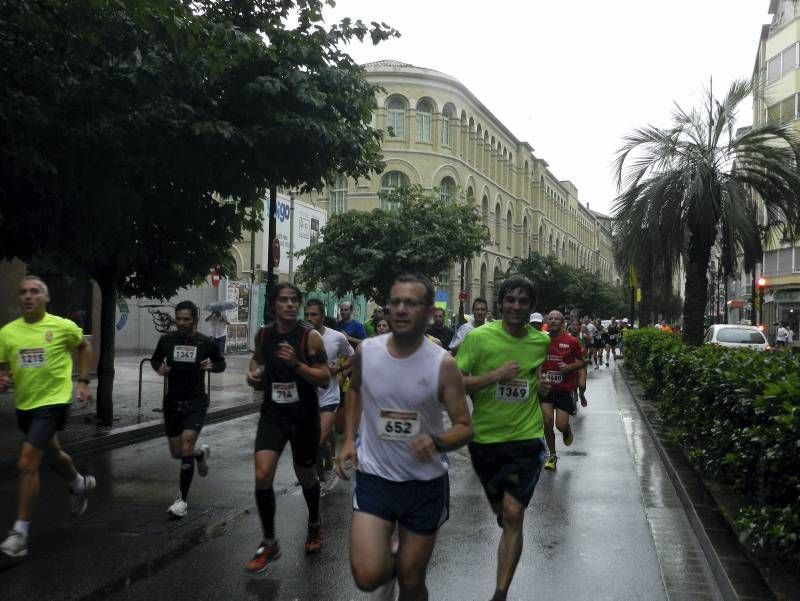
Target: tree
{"points": [[563, 287], [138, 136], [683, 185], [361, 252]]}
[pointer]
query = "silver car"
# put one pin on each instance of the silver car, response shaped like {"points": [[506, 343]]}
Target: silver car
{"points": [[736, 336]]}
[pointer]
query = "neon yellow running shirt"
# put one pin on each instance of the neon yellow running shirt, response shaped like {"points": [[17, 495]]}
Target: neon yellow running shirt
{"points": [[40, 357], [505, 411]]}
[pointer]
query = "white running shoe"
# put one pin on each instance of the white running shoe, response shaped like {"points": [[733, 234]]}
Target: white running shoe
{"points": [[202, 462], [385, 592], [179, 508], [79, 501], [331, 480], [15, 545]]}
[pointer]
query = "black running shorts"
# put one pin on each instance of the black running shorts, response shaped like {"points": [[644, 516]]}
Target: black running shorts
{"points": [[563, 400], [273, 434], [508, 467], [40, 424], [183, 416]]}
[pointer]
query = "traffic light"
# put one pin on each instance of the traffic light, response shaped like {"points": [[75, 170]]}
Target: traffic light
{"points": [[762, 283]]}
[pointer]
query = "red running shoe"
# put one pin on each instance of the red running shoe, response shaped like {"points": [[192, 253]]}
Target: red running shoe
{"points": [[265, 554]]}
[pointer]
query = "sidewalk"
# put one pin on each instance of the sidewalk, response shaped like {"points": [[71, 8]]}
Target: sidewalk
{"points": [[230, 396]]}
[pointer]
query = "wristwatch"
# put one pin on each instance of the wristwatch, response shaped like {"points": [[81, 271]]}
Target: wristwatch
{"points": [[83, 380]]}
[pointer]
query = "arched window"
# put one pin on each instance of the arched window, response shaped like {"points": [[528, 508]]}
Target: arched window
{"points": [[525, 238], [483, 280], [444, 131], [510, 229], [389, 182], [424, 121], [338, 196], [396, 118], [446, 189], [497, 222], [485, 209]]}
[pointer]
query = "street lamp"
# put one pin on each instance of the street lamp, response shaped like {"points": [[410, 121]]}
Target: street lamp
{"points": [[762, 283], [463, 294]]}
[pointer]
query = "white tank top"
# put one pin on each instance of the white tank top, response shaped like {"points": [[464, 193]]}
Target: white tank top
{"points": [[399, 399]]}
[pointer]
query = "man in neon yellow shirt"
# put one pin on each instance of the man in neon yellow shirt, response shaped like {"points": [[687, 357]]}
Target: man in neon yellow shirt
{"points": [[35, 354], [501, 364]]}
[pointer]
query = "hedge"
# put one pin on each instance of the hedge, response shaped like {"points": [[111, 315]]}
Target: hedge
{"points": [[736, 412]]}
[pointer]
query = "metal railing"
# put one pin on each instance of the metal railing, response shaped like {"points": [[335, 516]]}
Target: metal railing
{"points": [[141, 369]]}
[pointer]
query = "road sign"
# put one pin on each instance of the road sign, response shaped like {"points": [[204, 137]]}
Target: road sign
{"points": [[462, 295]]}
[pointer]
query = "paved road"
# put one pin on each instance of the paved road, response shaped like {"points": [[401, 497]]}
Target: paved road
{"points": [[606, 525]]}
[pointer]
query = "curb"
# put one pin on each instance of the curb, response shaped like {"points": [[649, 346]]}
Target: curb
{"points": [[736, 575], [140, 432]]}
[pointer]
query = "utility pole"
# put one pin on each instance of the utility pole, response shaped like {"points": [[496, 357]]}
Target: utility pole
{"points": [[272, 233]]}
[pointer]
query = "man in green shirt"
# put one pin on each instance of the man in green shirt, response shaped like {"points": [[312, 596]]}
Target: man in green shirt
{"points": [[35, 353], [501, 365]]}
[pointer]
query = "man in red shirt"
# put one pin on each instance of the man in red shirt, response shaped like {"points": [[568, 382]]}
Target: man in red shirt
{"points": [[564, 359]]}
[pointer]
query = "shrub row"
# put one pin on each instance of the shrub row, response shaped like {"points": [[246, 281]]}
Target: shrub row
{"points": [[736, 412]]}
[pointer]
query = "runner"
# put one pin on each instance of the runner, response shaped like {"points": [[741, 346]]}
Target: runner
{"points": [[290, 364], [36, 355], [579, 331], [183, 357], [564, 359], [501, 362], [337, 350], [597, 343], [480, 308], [613, 340], [396, 439]]}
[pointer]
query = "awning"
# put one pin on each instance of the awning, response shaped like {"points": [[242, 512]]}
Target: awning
{"points": [[736, 304]]}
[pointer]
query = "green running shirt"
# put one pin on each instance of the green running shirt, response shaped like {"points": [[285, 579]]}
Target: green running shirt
{"points": [[505, 411]]}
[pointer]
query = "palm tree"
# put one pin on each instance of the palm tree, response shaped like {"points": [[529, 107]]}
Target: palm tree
{"points": [[683, 186]]}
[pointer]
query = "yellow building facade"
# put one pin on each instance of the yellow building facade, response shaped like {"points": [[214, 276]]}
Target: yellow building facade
{"points": [[437, 134], [777, 70]]}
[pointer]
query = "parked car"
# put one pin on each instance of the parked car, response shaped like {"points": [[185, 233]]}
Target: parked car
{"points": [[736, 336]]}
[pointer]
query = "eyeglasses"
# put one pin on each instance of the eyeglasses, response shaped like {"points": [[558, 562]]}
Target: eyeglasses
{"points": [[410, 303]]}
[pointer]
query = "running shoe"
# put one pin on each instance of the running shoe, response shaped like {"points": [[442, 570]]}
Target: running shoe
{"points": [[179, 508], [314, 538], [584, 402], [265, 554], [606, 363], [331, 479], [202, 461], [79, 501], [550, 464], [385, 592], [15, 545], [568, 437]]}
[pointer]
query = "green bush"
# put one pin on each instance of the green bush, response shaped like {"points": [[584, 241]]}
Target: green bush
{"points": [[736, 412]]}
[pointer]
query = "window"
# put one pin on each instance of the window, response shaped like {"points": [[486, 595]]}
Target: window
{"points": [[784, 110], [740, 336], [789, 59], [338, 197], [446, 189], [373, 120], [510, 228], [444, 138], [396, 118], [390, 182], [770, 262], [774, 69], [797, 259], [497, 221], [424, 122], [785, 260]]}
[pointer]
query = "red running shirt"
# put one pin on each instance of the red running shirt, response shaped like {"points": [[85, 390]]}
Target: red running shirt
{"points": [[563, 349]]}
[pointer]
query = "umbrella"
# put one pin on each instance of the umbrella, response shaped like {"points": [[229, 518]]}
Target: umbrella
{"points": [[221, 306]]}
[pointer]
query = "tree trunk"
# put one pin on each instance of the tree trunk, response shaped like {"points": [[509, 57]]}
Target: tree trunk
{"points": [[105, 368], [694, 305]]}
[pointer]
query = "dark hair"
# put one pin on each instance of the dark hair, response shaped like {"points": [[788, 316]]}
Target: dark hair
{"points": [[480, 300], [188, 306], [315, 302], [273, 294], [517, 282], [417, 278]]}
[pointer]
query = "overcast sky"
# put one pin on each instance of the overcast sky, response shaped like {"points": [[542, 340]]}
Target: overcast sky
{"points": [[571, 77]]}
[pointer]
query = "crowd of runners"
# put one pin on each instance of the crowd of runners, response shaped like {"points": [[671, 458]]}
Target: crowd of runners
{"points": [[506, 385]]}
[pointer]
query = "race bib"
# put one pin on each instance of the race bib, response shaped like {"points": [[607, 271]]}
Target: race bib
{"points": [[398, 425], [512, 391], [555, 377], [31, 357], [184, 354], [285, 392]]}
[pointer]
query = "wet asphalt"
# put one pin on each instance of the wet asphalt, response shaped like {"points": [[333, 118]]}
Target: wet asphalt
{"points": [[605, 525]]}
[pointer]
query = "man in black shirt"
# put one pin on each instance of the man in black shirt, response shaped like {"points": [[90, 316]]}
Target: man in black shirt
{"points": [[184, 357], [438, 330], [289, 363]]}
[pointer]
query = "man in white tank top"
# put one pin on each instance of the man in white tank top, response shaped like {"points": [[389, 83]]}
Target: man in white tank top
{"points": [[395, 438]]}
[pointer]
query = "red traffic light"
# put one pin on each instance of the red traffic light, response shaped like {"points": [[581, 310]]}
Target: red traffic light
{"points": [[762, 282]]}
